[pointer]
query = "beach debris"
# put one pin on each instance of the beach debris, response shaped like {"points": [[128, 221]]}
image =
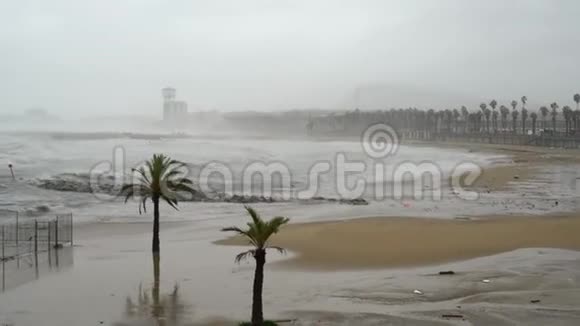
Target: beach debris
{"points": [[535, 301], [354, 201], [446, 273], [486, 281], [418, 292], [516, 176], [452, 316]]}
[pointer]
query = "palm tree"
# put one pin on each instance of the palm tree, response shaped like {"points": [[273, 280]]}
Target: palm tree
{"points": [[576, 120], [567, 112], [504, 111], [456, 116], [514, 104], [493, 105], [161, 178], [494, 117], [534, 117], [524, 101], [514, 119], [544, 111], [465, 115], [479, 120], [554, 107], [258, 234], [577, 100], [487, 114], [524, 118]]}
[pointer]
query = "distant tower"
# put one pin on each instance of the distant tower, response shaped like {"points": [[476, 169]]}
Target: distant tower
{"points": [[168, 94], [174, 112]]}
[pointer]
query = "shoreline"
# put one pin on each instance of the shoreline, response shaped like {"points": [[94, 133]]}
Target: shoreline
{"points": [[389, 242]]}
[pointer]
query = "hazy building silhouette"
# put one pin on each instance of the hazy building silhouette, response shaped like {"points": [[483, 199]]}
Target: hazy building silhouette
{"points": [[174, 112]]}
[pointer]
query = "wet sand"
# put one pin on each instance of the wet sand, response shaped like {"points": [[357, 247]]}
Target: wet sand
{"points": [[395, 242]]}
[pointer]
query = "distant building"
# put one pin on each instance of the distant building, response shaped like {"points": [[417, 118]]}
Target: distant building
{"points": [[174, 112]]}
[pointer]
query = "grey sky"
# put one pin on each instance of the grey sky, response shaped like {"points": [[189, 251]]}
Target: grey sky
{"points": [[113, 56]]}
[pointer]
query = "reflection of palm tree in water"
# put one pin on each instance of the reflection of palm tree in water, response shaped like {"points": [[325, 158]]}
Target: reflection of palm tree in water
{"points": [[159, 310]]}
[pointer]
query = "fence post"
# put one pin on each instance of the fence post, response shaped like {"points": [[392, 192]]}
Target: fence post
{"points": [[3, 263], [17, 233], [3, 242], [71, 229], [56, 233], [49, 230], [35, 236]]}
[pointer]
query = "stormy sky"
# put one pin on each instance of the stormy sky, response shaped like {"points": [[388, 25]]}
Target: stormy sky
{"points": [[84, 57]]}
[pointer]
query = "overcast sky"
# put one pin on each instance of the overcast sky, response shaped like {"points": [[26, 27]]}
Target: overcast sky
{"points": [[114, 56]]}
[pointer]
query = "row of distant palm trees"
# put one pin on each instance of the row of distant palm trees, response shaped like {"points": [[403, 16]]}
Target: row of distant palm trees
{"points": [[489, 118], [162, 179]]}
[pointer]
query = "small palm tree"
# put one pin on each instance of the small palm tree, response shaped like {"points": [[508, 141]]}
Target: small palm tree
{"points": [[577, 100], [258, 233], [524, 101], [162, 178]]}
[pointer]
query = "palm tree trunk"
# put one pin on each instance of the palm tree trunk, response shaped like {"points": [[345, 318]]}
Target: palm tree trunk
{"points": [[257, 313], [155, 290], [155, 246]]}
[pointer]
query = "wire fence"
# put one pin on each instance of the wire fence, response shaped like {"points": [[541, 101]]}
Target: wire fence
{"points": [[33, 236]]}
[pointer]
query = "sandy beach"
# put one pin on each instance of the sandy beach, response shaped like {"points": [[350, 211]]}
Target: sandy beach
{"points": [[384, 242]]}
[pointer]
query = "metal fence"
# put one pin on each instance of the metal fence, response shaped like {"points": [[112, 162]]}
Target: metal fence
{"points": [[34, 236]]}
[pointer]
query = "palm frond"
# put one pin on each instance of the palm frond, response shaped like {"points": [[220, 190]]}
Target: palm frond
{"points": [[279, 249], [241, 232], [244, 255], [171, 201], [259, 231]]}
